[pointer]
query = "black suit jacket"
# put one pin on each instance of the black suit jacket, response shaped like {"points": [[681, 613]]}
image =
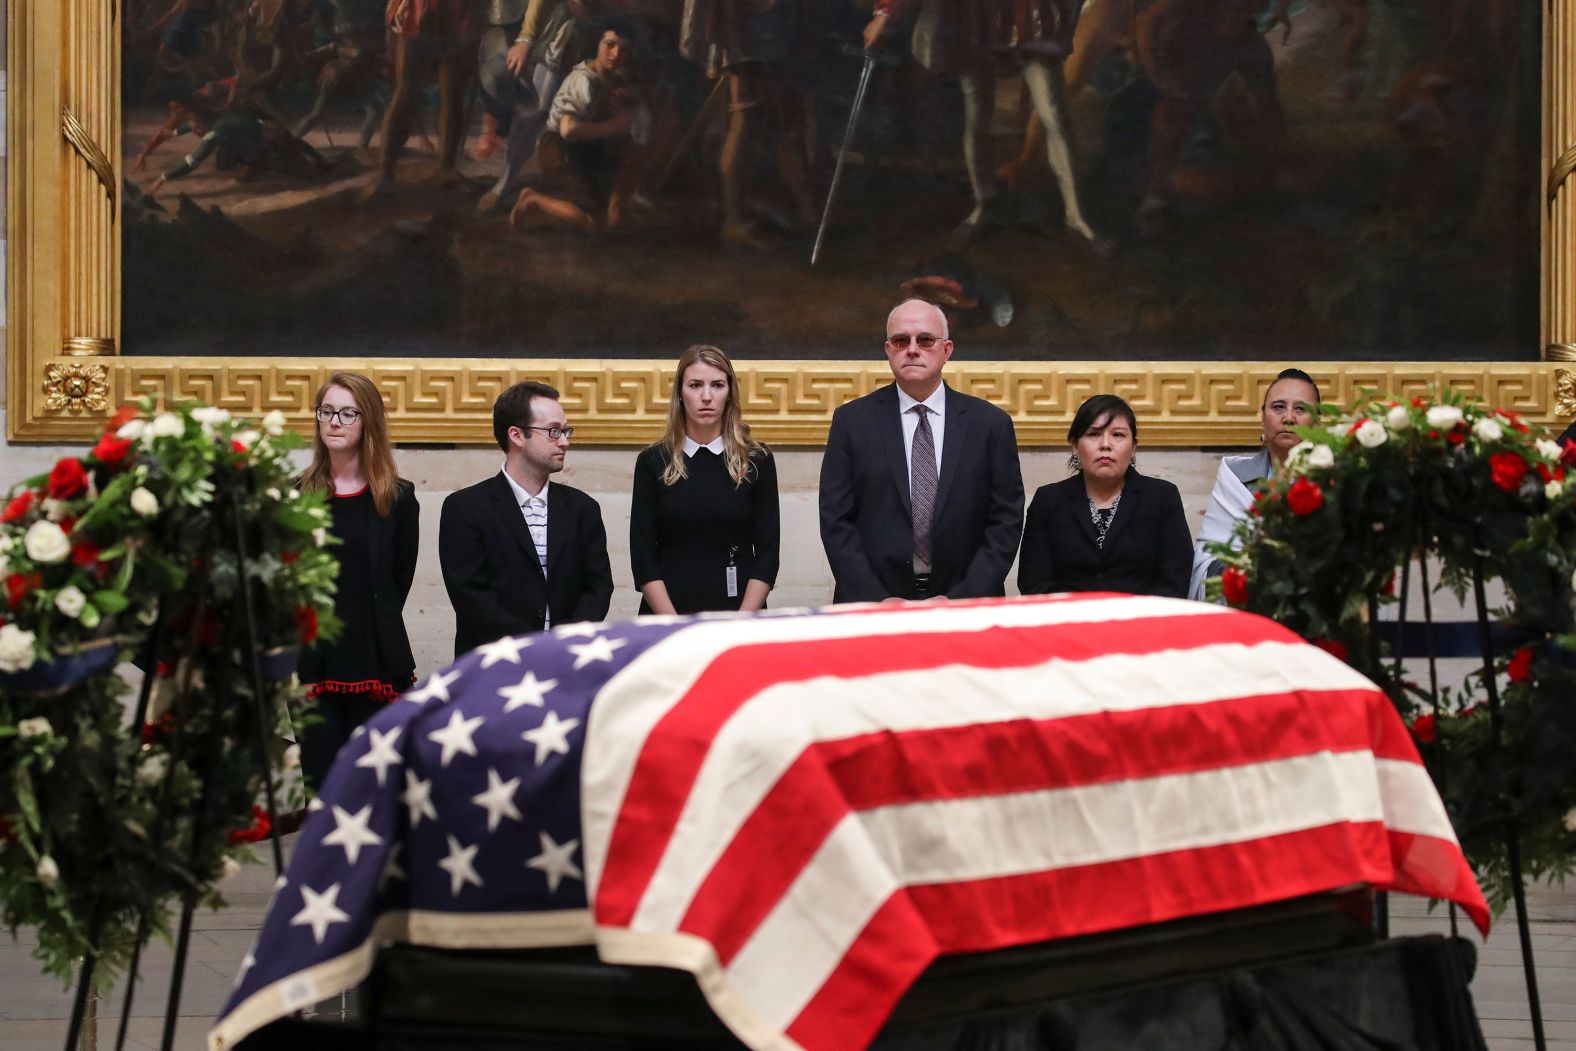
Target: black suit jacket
{"points": [[866, 523], [490, 568], [1148, 549]]}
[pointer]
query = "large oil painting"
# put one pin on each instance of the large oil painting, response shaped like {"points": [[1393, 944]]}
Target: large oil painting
{"points": [[1118, 180]]}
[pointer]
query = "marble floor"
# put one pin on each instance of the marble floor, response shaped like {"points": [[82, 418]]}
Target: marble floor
{"points": [[34, 1008]]}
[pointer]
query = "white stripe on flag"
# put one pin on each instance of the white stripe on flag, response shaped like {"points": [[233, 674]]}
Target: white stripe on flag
{"points": [[858, 866], [634, 700], [1411, 802], [739, 771]]}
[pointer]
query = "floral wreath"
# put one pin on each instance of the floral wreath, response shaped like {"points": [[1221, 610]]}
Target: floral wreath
{"points": [[1486, 495], [129, 553]]}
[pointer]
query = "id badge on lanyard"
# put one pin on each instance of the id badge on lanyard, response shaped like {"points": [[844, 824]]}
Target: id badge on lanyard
{"points": [[732, 572]]}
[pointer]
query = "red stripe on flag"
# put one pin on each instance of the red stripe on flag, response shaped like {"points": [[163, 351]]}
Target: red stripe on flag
{"points": [[892, 950], [981, 915], [666, 769], [1436, 868], [883, 769]]}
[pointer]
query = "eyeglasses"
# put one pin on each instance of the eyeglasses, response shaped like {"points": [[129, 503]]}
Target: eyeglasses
{"points": [[554, 431], [346, 417], [924, 340]]}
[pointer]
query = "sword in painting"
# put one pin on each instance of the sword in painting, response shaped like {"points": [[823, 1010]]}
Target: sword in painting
{"points": [[871, 60]]}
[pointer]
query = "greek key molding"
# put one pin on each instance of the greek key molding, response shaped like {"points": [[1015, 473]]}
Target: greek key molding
{"points": [[786, 402]]}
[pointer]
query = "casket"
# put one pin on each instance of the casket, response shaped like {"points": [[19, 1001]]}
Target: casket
{"points": [[921, 826]]}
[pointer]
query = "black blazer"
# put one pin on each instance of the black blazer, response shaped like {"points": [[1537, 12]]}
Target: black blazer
{"points": [[391, 555], [866, 524], [1148, 549], [490, 569]]}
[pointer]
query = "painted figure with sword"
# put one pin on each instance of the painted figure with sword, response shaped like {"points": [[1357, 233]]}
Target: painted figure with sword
{"points": [[969, 38]]}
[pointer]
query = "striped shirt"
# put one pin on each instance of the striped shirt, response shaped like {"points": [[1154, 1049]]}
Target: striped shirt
{"points": [[534, 508]]}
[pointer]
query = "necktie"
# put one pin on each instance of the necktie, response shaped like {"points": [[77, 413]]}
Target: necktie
{"points": [[922, 488]]}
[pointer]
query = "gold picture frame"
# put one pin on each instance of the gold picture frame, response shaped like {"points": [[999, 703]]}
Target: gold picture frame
{"points": [[65, 373]]}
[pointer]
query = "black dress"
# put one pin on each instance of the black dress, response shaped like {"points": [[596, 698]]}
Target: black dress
{"points": [[370, 663], [688, 534]]}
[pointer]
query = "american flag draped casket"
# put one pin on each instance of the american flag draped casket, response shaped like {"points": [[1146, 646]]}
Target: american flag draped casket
{"points": [[805, 809]]}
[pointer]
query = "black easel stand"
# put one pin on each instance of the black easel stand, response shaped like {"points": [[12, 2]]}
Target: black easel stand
{"points": [[225, 499]]}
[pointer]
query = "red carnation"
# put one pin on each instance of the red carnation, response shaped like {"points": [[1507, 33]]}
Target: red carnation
{"points": [[1457, 436], [67, 479], [85, 553], [1304, 497], [1333, 647], [1520, 667], [1234, 586], [18, 506], [20, 585], [259, 830], [1550, 474], [1423, 728], [1568, 453], [306, 623], [288, 557], [112, 451], [1507, 469], [237, 448], [123, 416]]}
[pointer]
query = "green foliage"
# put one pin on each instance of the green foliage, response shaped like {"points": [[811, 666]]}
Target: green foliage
{"points": [[1477, 489], [101, 822]]}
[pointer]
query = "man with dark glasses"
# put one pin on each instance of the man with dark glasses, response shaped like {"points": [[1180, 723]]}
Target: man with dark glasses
{"points": [[921, 493]]}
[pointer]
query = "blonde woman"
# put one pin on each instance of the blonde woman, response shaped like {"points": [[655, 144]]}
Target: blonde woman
{"points": [[703, 526], [375, 517]]}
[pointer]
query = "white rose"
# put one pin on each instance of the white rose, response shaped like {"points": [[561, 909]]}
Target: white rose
{"points": [[1443, 417], [38, 726], [70, 600], [56, 510], [5, 543], [292, 494], [144, 502], [1398, 418], [210, 417], [16, 648], [151, 772], [274, 423], [291, 757], [167, 425], [1570, 819], [46, 542], [1371, 433], [131, 430], [1488, 430], [1321, 456], [229, 868], [1554, 489], [320, 536], [248, 438], [48, 872], [1550, 450]]}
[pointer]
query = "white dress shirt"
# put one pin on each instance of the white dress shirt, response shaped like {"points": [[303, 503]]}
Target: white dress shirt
{"points": [[534, 509], [937, 404]]}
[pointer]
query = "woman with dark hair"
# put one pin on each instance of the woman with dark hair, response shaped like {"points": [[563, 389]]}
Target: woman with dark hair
{"points": [[703, 522], [1107, 528], [1290, 401], [375, 517]]}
